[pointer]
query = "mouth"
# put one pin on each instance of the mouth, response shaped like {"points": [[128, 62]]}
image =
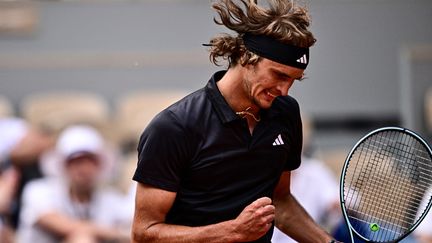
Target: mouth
{"points": [[271, 95]]}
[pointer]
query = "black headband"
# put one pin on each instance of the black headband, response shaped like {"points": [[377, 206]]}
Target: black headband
{"points": [[277, 51]]}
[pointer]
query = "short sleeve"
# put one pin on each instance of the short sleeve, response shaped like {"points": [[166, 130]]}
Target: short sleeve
{"points": [[292, 121], [297, 146], [163, 152]]}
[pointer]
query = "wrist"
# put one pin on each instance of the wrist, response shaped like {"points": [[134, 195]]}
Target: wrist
{"points": [[232, 234]]}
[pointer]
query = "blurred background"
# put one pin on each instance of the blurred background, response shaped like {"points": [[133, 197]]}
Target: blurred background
{"points": [[115, 63], [370, 67]]}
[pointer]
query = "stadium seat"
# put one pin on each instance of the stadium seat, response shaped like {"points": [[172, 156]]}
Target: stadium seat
{"points": [[133, 111], [55, 110], [6, 108], [428, 110]]}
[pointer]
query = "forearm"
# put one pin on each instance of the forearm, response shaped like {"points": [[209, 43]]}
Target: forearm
{"points": [[153, 204], [9, 179], [64, 226], [223, 232], [293, 220], [110, 234]]}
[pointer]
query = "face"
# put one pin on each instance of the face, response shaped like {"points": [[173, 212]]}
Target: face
{"points": [[266, 80], [83, 172]]}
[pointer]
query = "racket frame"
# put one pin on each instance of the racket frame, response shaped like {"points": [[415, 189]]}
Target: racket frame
{"points": [[351, 230]]}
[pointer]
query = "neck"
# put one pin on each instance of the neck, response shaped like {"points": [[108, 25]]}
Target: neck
{"points": [[81, 196], [233, 90]]}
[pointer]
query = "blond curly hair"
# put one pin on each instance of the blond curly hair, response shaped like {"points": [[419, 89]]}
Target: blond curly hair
{"points": [[283, 20]]}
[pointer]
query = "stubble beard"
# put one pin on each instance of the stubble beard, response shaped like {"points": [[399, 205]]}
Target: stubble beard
{"points": [[247, 90]]}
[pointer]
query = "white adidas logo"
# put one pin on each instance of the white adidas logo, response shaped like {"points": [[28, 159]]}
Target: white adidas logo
{"points": [[302, 59], [278, 141]]}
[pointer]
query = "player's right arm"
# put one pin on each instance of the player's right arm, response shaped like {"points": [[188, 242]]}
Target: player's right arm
{"points": [[153, 204]]}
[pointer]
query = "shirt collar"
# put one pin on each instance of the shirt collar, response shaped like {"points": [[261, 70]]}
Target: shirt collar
{"points": [[223, 110]]}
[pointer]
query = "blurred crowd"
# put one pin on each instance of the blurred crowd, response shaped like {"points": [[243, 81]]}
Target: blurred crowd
{"points": [[66, 165], [62, 188], [72, 183]]}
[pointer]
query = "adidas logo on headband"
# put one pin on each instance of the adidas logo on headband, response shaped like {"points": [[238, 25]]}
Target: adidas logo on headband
{"points": [[303, 59]]}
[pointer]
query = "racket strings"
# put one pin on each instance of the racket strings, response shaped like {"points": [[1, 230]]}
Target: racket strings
{"points": [[385, 183], [423, 184], [388, 152], [383, 191], [389, 229], [427, 177], [410, 210], [377, 158]]}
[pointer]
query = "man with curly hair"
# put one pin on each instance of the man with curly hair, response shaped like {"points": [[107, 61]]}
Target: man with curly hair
{"points": [[215, 166]]}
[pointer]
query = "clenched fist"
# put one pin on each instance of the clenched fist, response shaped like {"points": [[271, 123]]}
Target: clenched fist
{"points": [[255, 219]]}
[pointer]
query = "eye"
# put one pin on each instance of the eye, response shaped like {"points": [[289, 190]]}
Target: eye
{"points": [[282, 76]]}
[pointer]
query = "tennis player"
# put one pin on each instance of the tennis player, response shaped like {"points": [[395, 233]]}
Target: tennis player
{"points": [[215, 166]]}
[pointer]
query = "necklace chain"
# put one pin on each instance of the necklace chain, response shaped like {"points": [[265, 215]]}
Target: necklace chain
{"points": [[247, 112]]}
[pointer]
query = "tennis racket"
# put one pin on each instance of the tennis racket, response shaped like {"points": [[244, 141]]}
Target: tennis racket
{"points": [[385, 187]]}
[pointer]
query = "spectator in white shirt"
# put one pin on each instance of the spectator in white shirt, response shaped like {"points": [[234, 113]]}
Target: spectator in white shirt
{"points": [[74, 208]]}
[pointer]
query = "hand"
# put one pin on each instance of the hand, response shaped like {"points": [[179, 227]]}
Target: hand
{"points": [[255, 220]]}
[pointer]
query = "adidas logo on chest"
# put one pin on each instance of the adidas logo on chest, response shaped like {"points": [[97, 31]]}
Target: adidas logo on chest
{"points": [[278, 141]]}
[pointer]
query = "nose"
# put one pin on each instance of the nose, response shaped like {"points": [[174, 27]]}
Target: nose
{"points": [[283, 87]]}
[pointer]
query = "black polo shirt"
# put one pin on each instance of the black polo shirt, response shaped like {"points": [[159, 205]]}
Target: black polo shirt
{"points": [[200, 149]]}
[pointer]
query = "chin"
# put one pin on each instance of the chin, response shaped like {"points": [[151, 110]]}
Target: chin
{"points": [[265, 103]]}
